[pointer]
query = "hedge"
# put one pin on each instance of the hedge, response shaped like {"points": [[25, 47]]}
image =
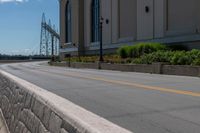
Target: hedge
{"points": [[139, 49], [172, 57]]}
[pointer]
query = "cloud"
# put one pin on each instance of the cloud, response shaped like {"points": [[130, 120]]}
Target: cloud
{"points": [[16, 1]]}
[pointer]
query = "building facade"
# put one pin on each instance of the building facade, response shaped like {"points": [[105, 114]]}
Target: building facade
{"points": [[127, 22]]}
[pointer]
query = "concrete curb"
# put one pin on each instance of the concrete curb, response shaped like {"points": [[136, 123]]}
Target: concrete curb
{"points": [[81, 119]]}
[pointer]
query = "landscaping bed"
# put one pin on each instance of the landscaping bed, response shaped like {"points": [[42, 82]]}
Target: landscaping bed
{"points": [[144, 57], [147, 53]]}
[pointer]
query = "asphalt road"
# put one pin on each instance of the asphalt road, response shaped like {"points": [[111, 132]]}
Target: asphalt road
{"points": [[142, 103]]}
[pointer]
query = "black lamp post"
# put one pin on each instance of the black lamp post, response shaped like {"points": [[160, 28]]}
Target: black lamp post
{"points": [[100, 33], [52, 49], [101, 40]]}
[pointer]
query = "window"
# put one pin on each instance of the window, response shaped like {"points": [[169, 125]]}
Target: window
{"points": [[68, 24], [95, 15]]}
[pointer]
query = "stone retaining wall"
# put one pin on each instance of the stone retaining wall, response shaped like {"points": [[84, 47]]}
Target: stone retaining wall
{"points": [[30, 109], [156, 68], [181, 70], [127, 68]]}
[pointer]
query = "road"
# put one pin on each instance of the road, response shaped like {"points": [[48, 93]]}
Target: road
{"points": [[142, 103]]}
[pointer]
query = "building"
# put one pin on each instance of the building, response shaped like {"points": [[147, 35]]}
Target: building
{"points": [[127, 22]]}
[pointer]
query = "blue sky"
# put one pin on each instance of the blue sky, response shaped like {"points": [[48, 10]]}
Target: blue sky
{"points": [[20, 24]]}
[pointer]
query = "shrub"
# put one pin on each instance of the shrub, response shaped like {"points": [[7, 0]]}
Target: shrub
{"points": [[123, 51], [159, 56], [140, 49], [172, 57], [181, 58], [194, 53], [196, 62]]}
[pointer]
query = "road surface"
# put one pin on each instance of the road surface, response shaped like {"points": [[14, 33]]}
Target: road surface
{"points": [[142, 103]]}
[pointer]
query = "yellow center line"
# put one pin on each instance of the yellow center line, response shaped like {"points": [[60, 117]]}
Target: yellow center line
{"points": [[147, 87]]}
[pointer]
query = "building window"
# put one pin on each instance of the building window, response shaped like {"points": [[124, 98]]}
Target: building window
{"points": [[68, 23], [95, 14]]}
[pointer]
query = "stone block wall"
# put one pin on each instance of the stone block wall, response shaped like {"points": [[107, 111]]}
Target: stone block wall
{"points": [[30, 109], [24, 113], [181, 70]]}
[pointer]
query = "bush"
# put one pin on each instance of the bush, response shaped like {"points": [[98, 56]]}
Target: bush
{"points": [[146, 48], [172, 57], [181, 58], [196, 62], [123, 51], [159, 56], [139, 49], [194, 53]]}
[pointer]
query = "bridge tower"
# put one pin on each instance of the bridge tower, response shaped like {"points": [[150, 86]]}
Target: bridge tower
{"points": [[49, 39], [43, 38]]}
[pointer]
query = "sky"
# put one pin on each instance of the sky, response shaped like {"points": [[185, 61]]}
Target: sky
{"points": [[20, 24]]}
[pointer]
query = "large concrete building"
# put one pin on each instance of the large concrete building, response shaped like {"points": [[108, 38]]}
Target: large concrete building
{"points": [[127, 22]]}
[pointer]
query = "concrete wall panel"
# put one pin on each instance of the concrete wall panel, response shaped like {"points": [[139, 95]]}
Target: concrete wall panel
{"points": [[62, 21], [87, 22], [107, 23], [75, 21], [127, 19], [145, 19], [159, 18], [181, 17]]}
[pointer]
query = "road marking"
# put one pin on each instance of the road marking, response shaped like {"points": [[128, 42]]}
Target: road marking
{"points": [[147, 87]]}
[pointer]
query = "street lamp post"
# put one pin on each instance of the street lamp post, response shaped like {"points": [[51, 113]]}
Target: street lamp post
{"points": [[101, 40], [101, 33], [52, 49]]}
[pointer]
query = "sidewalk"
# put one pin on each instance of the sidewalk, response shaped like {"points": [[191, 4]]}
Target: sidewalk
{"points": [[3, 128]]}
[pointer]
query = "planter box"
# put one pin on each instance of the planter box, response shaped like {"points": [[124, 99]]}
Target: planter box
{"points": [[127, 68], [181, 70], [156, 68]]}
